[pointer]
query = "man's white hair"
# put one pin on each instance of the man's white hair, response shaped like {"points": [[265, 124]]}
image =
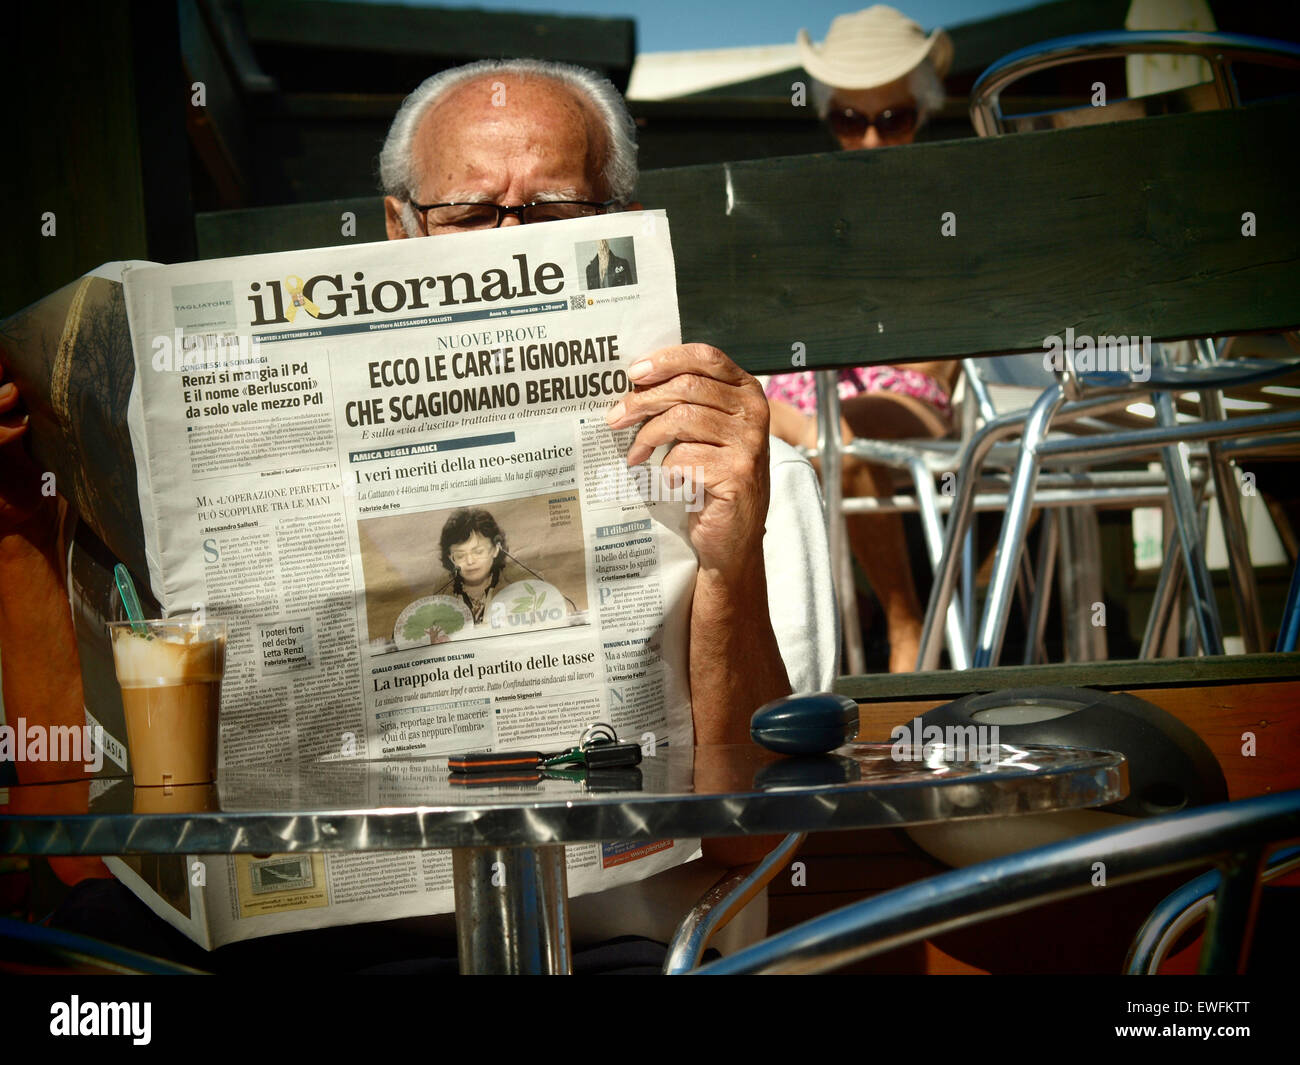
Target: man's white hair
{"points": [[923, 83], [397, 171]]}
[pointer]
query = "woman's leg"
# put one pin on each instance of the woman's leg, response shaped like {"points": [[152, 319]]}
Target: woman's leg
{"points": [[877, 540]]}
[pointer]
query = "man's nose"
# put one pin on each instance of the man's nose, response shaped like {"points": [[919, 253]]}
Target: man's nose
{"points": [[871, 139], [511, 220]]}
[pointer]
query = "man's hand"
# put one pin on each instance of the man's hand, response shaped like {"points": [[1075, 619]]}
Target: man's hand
{"points": [[715, 417]]}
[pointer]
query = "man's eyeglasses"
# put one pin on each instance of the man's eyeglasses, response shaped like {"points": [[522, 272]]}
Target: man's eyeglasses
{"points": [[892, 123], [455, 217]]}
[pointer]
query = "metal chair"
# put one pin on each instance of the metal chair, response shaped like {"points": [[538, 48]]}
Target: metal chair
{"points": [[1209, 377], [1290, 632], [33, 948], [731, 894], [919, 462], [1184, 907], [922, 460], [980, 447], [1220, 50], [1233, 836]]}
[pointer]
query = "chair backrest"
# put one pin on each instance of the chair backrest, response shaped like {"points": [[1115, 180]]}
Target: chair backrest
{"points": [[1013, 382], [1220, 50], [1234, 836]]}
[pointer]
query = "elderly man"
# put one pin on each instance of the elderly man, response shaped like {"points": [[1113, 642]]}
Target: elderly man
{"points": [[507, 144]]}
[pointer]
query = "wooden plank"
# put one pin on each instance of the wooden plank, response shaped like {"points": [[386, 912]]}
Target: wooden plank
{"points": [[1221, 714], [1130, 228], [1111, 676], [296, 225], [604, 43]]}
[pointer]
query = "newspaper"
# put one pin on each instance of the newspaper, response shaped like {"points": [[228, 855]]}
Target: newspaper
{"points": [[387, 467]]}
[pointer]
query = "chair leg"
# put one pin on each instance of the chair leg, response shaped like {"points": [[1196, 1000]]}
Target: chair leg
{"points": [[1035, 651], [1025, 586], [960, 517], [968, 558], [994, 625], [1232, 919], [1163, 637], [1289, 630], [1164, 603], [722, 902], [1241, 574], [1187, 522], [1081, 586], [830, 444], [932, 523]]}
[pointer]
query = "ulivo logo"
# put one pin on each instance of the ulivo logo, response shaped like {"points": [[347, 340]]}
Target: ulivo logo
{"points": [[526, 605]]}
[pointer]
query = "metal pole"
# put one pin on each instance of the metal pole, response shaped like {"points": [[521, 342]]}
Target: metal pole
{"points": [[830, 447], [1185, 521], [512, 909], [1141, 440], [1164, 601], [1232, 918], [927, 501], [1241, 574], [721, 903], [994, 626], [1034, 647], [981, 444]]}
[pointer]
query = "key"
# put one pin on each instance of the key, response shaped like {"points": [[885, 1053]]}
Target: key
{"points": [[599, 749], [496, 762]]}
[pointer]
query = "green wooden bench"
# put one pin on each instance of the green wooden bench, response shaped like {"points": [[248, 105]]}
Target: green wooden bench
{"points": [[1129, 228]]}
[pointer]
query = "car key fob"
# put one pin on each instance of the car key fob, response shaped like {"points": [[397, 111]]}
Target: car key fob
{"points": [[813, 723]]}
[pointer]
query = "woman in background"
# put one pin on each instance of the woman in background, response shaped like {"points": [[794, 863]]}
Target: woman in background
{"points": [[876, 78]]}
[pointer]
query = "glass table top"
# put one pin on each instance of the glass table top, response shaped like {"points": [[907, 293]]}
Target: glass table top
{"points": [[679, 793]]}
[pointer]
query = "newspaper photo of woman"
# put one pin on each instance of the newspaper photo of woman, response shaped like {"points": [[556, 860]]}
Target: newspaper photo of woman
{"points": [[474, 553], [468, 572]]}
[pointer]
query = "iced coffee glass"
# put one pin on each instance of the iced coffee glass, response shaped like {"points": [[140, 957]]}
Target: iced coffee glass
{"points": [[170, 675]]}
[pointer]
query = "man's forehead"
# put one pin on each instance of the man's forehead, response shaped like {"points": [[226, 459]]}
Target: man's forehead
{"points": [[550, 105], [509, 111]]}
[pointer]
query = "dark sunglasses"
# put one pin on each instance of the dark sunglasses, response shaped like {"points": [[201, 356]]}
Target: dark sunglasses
{"points": [[891, 123]]}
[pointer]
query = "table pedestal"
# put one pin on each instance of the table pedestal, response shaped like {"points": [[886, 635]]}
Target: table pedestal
{"points": [[512, 909]]}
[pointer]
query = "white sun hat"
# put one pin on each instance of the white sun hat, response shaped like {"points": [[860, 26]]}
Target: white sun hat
{"points": [[873, 47]]}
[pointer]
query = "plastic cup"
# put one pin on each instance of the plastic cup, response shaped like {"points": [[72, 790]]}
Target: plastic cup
{"points": [[170, 676]]}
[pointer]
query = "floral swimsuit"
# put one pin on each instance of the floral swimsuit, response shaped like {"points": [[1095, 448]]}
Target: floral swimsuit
{"points": [[799, 389]]}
